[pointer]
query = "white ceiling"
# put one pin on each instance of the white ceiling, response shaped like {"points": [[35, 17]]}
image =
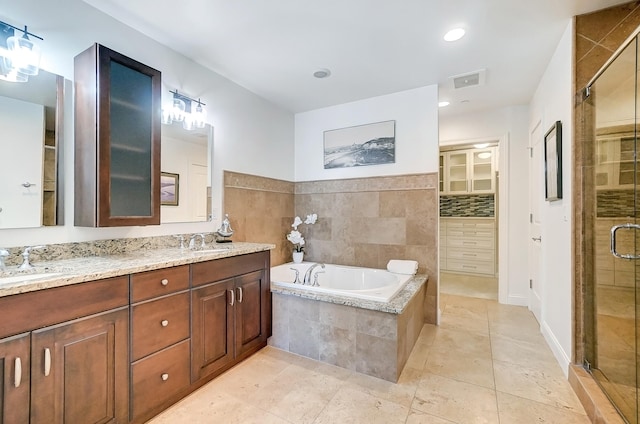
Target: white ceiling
{"points": [[372, 47]]}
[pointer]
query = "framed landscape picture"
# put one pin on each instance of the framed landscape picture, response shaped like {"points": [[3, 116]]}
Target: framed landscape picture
{"points": [[362, 145], [169, 188]]}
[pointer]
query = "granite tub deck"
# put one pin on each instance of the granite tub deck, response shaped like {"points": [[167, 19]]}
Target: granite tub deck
{"points": [[63, 272], [369, 337]]}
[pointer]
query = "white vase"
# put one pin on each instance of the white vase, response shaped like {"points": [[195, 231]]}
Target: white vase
{"points": [[297, 257]]}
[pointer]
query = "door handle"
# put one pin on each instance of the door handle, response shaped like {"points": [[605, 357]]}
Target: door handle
{"points": [[17, 379], [233, 297], [614, 230], [47, 362], [239, 294], [539, 238]]}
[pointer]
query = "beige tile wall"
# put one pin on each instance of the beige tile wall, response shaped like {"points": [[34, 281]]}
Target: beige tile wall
{"points": [[597, 36], [363, 221]]}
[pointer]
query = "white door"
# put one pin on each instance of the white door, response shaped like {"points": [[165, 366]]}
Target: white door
{"points": [[536, 198], [198, 192], [21, 124]]}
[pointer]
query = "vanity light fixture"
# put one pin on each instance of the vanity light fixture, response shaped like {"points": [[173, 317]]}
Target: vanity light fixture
{"points": [[454, 35], [186, 110], [20, 59]]}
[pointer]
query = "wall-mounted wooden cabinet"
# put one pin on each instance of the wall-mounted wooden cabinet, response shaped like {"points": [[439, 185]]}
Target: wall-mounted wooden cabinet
{"points": [[469, 171], [615, 161], [117, 140]]}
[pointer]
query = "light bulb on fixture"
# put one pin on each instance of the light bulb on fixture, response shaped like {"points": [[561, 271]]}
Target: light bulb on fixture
{"points": [[199, 116], [178, 110], [21, 57]]}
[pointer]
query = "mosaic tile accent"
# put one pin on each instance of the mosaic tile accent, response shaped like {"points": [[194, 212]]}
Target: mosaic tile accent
{"points": [[468, 206], [614, 203]]}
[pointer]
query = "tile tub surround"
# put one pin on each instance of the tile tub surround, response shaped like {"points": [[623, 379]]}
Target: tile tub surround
{"points": [[372, 338], [368, 221], [361, 222], [90, 268], [597, 36]]}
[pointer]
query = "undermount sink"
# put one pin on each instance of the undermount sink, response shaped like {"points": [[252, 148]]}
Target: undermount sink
{"points": [[27, 277]]}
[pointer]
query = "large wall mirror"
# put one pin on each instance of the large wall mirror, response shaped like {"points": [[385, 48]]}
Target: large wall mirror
{"points": [[31, 172], [186, 174]]}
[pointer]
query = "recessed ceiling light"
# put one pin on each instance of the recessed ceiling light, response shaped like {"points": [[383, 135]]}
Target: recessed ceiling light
{"points": [[481, 145], [322, 73], [454, 34], [443, 104]]}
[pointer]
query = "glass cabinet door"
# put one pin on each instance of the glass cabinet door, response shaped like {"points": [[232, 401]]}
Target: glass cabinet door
{"points": [[457, 177], [482, 171]]}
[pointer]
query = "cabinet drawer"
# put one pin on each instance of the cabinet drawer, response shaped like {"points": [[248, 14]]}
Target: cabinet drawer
{"points": [[150, 284], [470, 232], [159, 377], [221, 269], [470, 267], [473, 255], [471, 243], [159, 323]]}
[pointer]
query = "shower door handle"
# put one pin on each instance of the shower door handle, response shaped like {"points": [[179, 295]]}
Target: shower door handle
{"points": [[614, 251]]}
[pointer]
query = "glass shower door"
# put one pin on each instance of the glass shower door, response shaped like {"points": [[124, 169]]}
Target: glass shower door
{"points": [[611, 115]]}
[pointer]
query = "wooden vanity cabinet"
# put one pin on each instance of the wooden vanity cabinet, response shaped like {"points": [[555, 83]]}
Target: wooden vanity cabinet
{"points": [[117, 140], [231, 312], [72, 344], [15, 378], [160, 340]]}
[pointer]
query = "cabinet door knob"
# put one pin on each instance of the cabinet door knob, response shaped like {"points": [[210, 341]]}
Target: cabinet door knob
{"points": [[47, 362], [165, 377], [164, 322], [164, 282], [17, 379]]}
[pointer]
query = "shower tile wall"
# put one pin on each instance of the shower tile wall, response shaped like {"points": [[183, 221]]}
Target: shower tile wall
{"points": [[597, 36], [467, 206]]}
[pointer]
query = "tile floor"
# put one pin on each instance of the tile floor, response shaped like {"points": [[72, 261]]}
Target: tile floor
{"points": [[469, 285], [486, 363]]}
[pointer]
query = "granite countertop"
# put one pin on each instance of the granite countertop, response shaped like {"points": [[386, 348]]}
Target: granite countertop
{"points": [[78, 270], [395, 306]]}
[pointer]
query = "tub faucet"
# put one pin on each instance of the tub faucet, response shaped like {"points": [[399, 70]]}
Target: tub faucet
{"points": [[4, 254], [26, 265], [307, 275]]}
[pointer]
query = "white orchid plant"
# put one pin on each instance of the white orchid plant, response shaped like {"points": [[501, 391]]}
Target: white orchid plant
{"points": [[295, 236]]}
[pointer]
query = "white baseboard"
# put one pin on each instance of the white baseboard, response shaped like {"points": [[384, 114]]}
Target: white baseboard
{"points": [[517, 300], [561, 356]]}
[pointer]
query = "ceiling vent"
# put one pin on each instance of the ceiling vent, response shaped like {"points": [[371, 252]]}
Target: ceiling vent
{"points": [[469, 80]]}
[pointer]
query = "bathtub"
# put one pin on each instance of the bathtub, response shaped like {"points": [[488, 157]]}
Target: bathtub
{"points": [[362, 283]]}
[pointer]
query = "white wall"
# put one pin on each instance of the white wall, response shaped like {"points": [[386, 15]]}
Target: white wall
{"points": [[416, 115], [552, 102], [250, 134], [510, 126]]}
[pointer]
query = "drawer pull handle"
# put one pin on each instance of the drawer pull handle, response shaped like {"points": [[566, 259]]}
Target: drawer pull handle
{"points": [[17, 379], [164, 282], [233, 297], [468, 266], [469, 254], [164, 322], [47, 362], [165, 376], [239, 294]]}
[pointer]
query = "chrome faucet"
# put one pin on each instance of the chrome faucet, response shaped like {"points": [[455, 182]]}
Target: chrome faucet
{"points": [[4, 254], [26, 265], [192, 241], [307, 275]]}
